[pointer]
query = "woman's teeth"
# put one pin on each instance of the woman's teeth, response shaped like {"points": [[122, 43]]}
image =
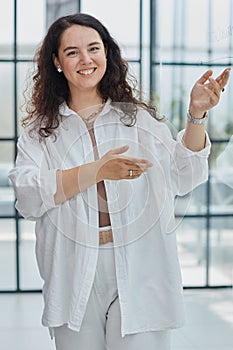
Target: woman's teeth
{"points": [[87, 71]]}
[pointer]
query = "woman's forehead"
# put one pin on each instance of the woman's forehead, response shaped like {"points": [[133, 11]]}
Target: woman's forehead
{"points": [[78, 35]]}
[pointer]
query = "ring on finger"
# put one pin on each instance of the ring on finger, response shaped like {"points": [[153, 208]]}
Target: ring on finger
{"points": [[130, 172]]}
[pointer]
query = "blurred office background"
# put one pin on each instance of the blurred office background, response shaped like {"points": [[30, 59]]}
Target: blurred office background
{"points": [[169, 44]]}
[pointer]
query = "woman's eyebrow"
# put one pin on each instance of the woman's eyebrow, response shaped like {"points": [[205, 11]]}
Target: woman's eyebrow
{"points": [[69, 48], [75, 47], [95, 43]]}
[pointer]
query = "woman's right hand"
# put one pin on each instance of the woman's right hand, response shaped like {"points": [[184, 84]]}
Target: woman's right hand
{"points": [[115, 166], [112, 166]]}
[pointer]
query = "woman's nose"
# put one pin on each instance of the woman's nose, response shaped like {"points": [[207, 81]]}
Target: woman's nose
{"points": [[85, 58]]}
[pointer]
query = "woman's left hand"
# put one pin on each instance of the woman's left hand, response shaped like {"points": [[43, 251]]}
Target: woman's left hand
{"points": [[206, 92]]}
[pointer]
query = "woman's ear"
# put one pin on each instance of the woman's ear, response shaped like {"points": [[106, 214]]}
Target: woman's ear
{"points": [[106, 53], [56, 61]]}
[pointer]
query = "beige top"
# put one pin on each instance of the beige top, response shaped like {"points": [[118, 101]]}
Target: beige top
{"points": [[104, 218]]}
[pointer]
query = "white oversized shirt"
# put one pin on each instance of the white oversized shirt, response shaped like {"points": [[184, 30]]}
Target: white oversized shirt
{"points": [[141, 212]]}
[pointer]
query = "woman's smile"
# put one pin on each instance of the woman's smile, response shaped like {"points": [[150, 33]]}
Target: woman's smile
{"points": [[87, 72]]}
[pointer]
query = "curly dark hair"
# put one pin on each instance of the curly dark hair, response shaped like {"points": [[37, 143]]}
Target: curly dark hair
{"points": [[50, 89]]}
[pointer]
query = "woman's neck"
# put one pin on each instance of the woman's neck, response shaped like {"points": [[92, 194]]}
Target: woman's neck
{"points": [[82, 101], [87, 106]]}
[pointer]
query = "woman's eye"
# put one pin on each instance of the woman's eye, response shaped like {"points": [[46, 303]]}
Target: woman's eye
{"points": [[72, 53], [95, 48]]}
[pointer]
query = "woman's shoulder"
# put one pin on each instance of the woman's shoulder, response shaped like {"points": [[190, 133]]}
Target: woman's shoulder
{"points": [[29, 134], [154, 124]]}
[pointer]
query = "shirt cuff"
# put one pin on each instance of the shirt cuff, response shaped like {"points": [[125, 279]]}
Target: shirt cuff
{"points": [[48, 188], [204, 152]]}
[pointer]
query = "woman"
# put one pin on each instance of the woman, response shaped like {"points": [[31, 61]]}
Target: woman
{"points": [[95, 170]]}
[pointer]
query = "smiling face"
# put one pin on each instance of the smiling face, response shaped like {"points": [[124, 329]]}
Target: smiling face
{"points": [[82, 58]]}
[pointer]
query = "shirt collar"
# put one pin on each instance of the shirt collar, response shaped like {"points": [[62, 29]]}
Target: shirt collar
{"points": [[65, 111]]}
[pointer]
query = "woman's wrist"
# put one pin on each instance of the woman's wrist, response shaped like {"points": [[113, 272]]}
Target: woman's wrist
{"points": [[196, 121], [196, 113], [97, 169]]}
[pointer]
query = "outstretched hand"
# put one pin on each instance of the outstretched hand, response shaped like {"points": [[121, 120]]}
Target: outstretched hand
{"points": [[115, 166], [206, 92]]}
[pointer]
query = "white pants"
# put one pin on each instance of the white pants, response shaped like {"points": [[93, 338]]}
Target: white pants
{"points": [[101, 325]]}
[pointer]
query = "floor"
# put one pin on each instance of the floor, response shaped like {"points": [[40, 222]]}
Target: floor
{"points": [[209, 324]]}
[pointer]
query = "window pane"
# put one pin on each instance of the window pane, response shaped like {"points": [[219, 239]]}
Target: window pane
{"points": [[29, 274], [6, 152], [6, 100], [194, 203], [6, 190], [196, 26], [179, 38], [165, 25], [6, 29], [31, 26], [220, 117], [7, 196], [221, 197], [122, 21], [7, 255], [134, 71], [221, 33], [221, 247], [24, 73], [172, 86], [191, 238]]}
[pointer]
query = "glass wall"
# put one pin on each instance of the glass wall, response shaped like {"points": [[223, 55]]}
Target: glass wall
{"points": [[188, 39], [168, 45]]}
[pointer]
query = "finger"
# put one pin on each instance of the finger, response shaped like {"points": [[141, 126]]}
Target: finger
{"points": [[143, 167], [136, 171], [222, 79], [141, 162], [119, 150], [138, 168], [133, 174], [205, 77], [214, 86]]}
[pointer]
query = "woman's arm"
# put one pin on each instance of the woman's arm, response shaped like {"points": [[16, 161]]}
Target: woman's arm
{"points": [[205, 95], [112, 166]]}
